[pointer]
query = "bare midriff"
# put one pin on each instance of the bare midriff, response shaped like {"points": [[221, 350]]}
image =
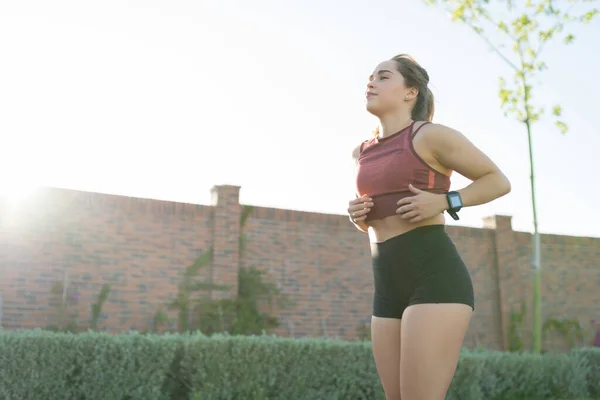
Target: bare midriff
{"points": [[386, 228]]}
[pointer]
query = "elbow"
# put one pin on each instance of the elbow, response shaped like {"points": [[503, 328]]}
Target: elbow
{"points": [[504, 186]]}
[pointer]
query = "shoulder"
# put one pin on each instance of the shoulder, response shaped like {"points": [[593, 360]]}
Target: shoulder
{"points": [[433, 130], [438, 136], [358, 149]]}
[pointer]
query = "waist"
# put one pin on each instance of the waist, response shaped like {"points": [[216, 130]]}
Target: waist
{"points": [[386, 204], [385, 223], [417, 240]]}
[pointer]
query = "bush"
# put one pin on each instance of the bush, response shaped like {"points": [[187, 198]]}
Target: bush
{"points": [[497, 375], [273, 368], [591, 355], [48, 365]]}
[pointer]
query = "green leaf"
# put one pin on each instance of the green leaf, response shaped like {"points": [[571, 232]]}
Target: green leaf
{"points": [[246, 211], [588, 16], [569, 39], [541, 66], [458, 13], [199, 263], [562, 126], [557, 110]]}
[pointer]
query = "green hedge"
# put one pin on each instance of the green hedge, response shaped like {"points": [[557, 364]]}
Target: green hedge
{"points": [[47, 365]]}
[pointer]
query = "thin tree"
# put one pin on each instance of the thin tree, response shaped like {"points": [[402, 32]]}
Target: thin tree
{"points": [[519, 39]]}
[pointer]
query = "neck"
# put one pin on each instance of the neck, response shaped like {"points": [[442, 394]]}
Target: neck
{"points": [[390, 124]]}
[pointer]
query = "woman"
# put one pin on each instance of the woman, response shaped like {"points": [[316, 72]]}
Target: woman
{"points": [[423, 297]]}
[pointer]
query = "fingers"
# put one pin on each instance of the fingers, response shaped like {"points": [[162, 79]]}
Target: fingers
{"points": [[414, 189], [405, 200], [406, 205], [418, 218], [359, 208], [361, 204], [360, 200], [411, 215], [358, 219], [360, 214], [410, 211]]}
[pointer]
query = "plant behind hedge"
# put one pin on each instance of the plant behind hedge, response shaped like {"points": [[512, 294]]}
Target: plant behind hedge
{"points": [[46, 365]]}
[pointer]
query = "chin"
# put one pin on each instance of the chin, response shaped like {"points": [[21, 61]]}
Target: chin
{"points": [[372, 109]]}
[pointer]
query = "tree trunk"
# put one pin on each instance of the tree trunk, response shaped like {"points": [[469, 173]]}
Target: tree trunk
{"points": [[536, 343]]}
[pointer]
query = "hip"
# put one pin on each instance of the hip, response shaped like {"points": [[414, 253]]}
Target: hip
{"points": [[419, 251]]}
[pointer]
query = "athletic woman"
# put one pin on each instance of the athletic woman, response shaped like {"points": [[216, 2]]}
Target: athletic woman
{"points": [[423, 297]]}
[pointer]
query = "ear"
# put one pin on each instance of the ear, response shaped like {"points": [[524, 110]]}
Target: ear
{"points": [[411, 94]]}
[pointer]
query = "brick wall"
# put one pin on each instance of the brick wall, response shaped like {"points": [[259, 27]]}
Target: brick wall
{"points": [[141, 248]]}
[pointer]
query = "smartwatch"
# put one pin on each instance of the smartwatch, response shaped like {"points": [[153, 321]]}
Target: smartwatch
{"points": [[454, 204]]}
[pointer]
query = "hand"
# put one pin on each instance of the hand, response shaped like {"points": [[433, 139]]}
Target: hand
{"points": [[423, 205], [359, 208]]}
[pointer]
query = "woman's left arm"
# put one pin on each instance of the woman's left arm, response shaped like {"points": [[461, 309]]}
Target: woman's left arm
{"points": [[454, 151]]}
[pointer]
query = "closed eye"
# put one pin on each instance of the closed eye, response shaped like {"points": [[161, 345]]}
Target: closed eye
{"points": [[380, 74]]}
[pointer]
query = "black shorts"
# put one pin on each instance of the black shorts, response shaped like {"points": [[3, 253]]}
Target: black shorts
{"points": [[417, 267]]}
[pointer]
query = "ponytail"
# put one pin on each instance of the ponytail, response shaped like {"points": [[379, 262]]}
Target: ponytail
{"points": [[424, 106]]}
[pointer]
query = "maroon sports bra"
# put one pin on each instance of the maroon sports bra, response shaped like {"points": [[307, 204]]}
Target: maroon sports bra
{"points": [[385, 168]]}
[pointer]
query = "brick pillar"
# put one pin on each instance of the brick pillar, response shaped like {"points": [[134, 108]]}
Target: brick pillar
{"points": [[508, 272], [226, 233]]}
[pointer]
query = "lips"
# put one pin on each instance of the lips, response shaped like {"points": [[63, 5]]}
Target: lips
{"points": [[370, 94]]}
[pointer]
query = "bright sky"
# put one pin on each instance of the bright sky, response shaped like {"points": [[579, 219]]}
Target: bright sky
{"points": [[164, 99]]}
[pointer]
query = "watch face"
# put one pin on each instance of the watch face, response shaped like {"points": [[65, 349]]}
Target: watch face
{"points": [[455, 201]]}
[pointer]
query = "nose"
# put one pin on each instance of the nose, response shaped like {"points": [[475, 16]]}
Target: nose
{"points": [[370, 85]]}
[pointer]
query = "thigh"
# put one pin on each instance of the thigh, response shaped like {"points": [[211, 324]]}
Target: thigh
{"points": [[431, 338], [385, 339]]}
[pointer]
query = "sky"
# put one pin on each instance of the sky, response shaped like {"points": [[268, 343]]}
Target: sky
{"points": [[165, 99]]}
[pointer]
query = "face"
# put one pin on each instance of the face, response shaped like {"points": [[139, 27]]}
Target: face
{"points": [[386, 91]]}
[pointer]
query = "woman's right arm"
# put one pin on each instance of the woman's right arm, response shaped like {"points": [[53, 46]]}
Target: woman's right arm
{"points": [[360, 206]]}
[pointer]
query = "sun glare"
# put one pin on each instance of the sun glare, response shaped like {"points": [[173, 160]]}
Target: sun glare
{"points": [[14, 192]]}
